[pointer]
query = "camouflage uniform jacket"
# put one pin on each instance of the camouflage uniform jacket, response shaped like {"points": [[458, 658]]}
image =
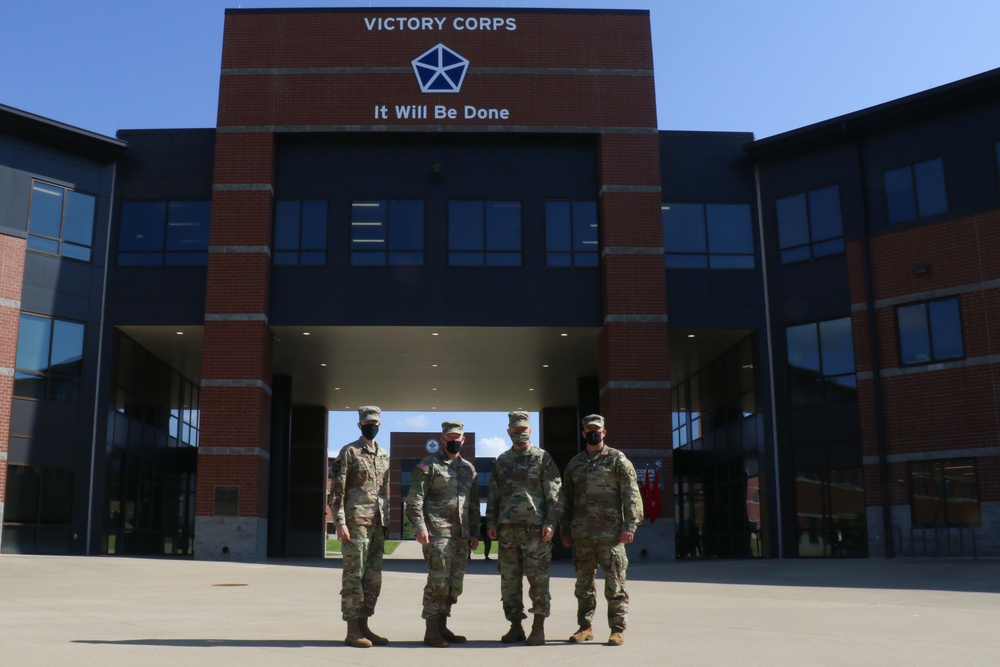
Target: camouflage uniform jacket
{"points": [[601, 496], [524, 489], [444, 497], [359, 489]]}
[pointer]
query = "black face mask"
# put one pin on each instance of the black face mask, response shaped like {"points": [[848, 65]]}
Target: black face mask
{"points": [[593, 437], [453, 446], [369, 430]]}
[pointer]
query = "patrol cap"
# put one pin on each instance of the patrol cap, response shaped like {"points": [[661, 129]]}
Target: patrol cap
{"points": [[592, 419], [369, 413], [518, 418], [452, 427]]}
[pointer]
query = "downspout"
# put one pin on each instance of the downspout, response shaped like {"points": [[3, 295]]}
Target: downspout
{"points": [[877, 401], [770, 365], [100, 349]]}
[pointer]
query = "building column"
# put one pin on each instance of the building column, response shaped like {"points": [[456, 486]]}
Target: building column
{"points": [[235, 441], [634, 376], [12, 250]]}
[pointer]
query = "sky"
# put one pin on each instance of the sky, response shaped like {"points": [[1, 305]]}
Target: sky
{"points": [[764, 67]]}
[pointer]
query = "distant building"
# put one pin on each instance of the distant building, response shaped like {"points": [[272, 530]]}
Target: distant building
{"points": [[475, 210]]}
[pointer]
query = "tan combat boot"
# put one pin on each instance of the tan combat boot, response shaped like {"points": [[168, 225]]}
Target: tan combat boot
{"points": [[584, 634], [354, 637], [617, 637], [537, 636], [515, 634], [375, 639], [432, 637], [447, 634]]}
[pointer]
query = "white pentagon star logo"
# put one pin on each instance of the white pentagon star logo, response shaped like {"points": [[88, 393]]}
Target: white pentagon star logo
{"points": [[440, 70]]}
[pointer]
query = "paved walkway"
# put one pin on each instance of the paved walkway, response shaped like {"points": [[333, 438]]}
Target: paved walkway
{"points": [[79, 611]]}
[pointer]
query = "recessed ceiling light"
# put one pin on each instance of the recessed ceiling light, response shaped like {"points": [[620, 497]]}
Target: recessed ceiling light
{"points": [[690, 335], [435, 334], [530, 389], [545, 365], [336, 388], [564, 334], [180, 333], [323, 365], [434, 388], [306, 333], [434, 365]]}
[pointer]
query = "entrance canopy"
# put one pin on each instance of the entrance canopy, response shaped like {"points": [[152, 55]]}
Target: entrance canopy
{"points": [[411, 368]]}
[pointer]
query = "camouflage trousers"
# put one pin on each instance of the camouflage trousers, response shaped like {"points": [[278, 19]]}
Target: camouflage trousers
{"points": [[446, 558], [588, 553], [362, 565], [522, 554]]}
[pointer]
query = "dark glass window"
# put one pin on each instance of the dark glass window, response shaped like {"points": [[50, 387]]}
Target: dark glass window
{"points": [[930, 332], [571, 233], [158, 233], [151, 469], [39, 510], [49, 362], [915, 191], [387, 232], [821, 362], [944, 493], [484, 233], [810, 225], [831, 515], [300, 232], [61, 221], [707, 236]]}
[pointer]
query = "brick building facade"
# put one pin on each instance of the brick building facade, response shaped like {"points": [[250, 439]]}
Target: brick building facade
{"points": [[475, 210]]}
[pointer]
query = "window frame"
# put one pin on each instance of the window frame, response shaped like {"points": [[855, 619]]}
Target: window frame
{"points": [[914, 191], [389, 255], [489, 257], [713, 260], [826, 381], [298, 251], [65, 206], [943, 499], [165, 256], [590, 259], [45, 376], [786, 253], [929, 330]]}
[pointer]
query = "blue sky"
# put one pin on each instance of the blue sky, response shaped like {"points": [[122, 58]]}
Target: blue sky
{"points": [[731, 65]]}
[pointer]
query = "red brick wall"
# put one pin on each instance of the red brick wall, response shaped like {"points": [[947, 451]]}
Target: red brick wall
{"points": [[11, 278], [943, 410]]}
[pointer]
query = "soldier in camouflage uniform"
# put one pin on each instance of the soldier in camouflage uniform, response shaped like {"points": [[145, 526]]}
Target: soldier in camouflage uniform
{"points": [[522, 511], [359, 500], [443, 506], [603, 508]]}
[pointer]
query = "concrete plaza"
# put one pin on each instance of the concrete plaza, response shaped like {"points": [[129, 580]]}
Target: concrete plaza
{"points": [[127, 611]]}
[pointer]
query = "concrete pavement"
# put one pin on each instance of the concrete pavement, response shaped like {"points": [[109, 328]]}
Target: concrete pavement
{"points": [[127, 611]]}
